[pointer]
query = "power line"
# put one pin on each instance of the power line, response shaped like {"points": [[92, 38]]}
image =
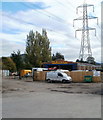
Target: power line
{"points": [[22, 21], [62, 4], [62, 20], [58, 19], [18, 20], [70, 4]]}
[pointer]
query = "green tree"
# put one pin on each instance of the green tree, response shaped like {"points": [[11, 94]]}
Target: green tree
{"points": [[16, 57], [91, 60], [77, 60], [8, 64], [26, 64], [58, 56], [38, 48]]}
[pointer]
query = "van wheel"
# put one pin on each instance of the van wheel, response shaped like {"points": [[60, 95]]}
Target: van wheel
{"points": [[64, 81], [48, 80]]}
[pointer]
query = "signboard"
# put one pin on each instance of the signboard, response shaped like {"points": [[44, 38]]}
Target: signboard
{"points": [[59, 62], [96, 73]]}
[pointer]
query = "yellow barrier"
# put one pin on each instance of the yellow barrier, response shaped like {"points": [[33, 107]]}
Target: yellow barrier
{"points": [[40, 75], [96, 79], [78, 76]]}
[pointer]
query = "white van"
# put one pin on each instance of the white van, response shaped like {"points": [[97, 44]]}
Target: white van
{"points": [[57, 76], [39, 69]]}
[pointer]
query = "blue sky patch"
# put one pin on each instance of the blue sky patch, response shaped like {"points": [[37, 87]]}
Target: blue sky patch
{"points": [[22, 6], [11, 31]]}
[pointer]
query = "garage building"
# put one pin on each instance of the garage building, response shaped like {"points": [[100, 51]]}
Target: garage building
{"points": [[69, 65]]}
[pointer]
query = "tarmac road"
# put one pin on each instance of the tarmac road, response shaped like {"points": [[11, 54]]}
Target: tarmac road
{"points": [[52, 105]]}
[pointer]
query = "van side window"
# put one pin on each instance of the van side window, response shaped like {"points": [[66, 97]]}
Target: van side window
{"points": [[59, 74]]}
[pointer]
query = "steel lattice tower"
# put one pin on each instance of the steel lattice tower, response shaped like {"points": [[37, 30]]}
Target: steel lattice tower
{"points": [[85, 50]]}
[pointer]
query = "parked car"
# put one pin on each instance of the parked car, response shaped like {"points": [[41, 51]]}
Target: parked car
{"points": [[57, 76]]}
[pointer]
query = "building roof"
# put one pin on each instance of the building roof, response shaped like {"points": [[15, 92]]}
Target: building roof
{"points": [[59, 62]]}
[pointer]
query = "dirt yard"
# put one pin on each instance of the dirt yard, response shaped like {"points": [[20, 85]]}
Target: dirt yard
{"points": [[10, 85]]}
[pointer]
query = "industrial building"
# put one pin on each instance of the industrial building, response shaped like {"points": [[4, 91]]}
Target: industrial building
{"points": [[69, 65]]}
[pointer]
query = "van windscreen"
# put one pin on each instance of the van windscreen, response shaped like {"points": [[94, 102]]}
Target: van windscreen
{"points": [[59, 74]]}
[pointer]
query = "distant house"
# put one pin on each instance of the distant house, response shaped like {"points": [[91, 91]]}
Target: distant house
{"points": [[5, 73]]}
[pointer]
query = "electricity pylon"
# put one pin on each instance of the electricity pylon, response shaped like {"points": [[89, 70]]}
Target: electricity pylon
{"points": [[85, 50]]}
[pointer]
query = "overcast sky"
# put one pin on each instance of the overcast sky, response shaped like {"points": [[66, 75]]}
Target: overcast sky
{"points": [[56, 16]]}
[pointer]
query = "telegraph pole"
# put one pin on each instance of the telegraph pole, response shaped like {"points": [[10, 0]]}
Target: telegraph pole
{"points": [[85, 50]]}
